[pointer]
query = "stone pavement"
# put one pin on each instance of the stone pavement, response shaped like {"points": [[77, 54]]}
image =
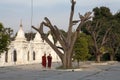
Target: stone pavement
{"points": [[86, 72]]}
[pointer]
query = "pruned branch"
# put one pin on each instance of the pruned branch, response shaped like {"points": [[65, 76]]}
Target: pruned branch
{"points": [[73, 4], [75, 22], [40, 30], [69, 33], [85, 17]]}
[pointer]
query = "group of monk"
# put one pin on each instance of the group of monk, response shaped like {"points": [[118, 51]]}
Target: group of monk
{"points": [[46, 61]]}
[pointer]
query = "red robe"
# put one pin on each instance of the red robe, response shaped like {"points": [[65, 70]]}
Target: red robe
{"points": [[44, 61], [49, 58]]}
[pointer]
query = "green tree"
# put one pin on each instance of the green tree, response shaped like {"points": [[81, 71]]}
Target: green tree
{"points": [[117, 17], [99, 28], [9, 31], [113, 42], [102, 13], [4, 39], [30, 36], [81, 48]]}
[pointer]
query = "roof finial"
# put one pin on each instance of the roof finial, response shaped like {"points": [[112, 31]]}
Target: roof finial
{"points": [[21, 23]]}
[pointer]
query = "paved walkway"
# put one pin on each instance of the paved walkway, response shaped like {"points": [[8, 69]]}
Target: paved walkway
{"points": [[86, 72]]}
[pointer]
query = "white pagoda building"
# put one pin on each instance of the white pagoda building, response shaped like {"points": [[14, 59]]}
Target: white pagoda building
{"points": [[22, 51]]}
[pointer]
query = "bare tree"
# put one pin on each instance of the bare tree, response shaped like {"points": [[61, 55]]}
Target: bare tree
{"points": [[66, 43]]}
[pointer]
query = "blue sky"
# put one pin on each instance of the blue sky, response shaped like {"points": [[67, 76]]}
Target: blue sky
{"points": [[12, 11]]}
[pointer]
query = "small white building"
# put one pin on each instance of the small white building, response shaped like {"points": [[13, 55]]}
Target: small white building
{"points": [[22, 51]]}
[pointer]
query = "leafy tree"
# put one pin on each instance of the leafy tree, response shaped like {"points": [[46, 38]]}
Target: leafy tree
{"points": [[113, 43], [67, 42], [102, 13], [99, 28], [4, 39], [9, 31], [81, 48], [99, 37], [117, 16], [29, 36]]}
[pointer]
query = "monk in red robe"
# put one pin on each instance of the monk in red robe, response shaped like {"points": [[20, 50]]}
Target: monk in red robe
{"points": [[44, 61], [49, 58]]}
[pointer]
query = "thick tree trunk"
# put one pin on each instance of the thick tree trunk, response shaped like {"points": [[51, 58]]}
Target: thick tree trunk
{"points": [[98, 58], [111, 57], [67, 62]]}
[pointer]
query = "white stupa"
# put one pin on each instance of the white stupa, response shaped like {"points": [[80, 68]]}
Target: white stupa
{"points": [[20, 35], [22, 51]]}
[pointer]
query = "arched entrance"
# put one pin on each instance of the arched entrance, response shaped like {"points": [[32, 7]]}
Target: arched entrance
{"points": [[33, 55], [28, 56], [14, 56]]}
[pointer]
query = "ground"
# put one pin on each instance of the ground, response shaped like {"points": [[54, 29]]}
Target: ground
{"points": [[89, 71]]}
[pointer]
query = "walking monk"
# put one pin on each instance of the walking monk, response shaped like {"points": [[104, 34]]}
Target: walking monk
{"points": [[49, 58], [44, 60]]}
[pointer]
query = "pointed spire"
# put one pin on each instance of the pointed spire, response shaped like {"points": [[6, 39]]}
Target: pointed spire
{"points": [[21, 23], [20, 34]]}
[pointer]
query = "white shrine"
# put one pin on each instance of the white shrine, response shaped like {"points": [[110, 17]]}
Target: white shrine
{"points": [[22, 51]]}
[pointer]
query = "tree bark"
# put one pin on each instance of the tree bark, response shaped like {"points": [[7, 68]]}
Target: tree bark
{"points": [[111, 57], [67, 60], [98, 58]]}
